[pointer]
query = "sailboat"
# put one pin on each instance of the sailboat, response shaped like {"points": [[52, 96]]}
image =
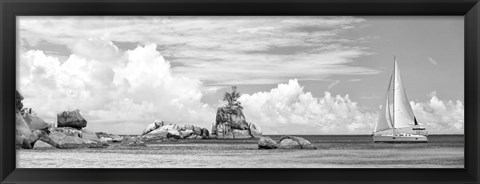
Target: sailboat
{"points": [[396, 116]]}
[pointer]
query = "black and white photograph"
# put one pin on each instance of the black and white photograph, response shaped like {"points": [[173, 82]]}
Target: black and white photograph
{"points": [[240, 92]]}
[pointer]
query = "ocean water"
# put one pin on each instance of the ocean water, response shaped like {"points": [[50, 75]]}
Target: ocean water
{"points": [[334, 151]]}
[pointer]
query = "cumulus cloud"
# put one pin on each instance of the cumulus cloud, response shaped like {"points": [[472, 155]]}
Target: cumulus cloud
{"points": [[287, 108], [440, 116], [121, 97], [206, 48]]}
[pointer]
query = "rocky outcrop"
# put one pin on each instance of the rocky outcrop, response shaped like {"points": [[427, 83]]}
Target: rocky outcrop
{"points": [[163, 130], [27, 131], [132, 142], [286, 142], [152, 126], [106, 141], [71, 133], [232, 130], [41, 144], [255, 130], [289, 144], [71, 119], [109, 137], [63, 138], [267, 143], [230, 122], [33, 121], [205, 133], [86, 134], [31, 129], [25, 137], [68, 138], [304, 144]]}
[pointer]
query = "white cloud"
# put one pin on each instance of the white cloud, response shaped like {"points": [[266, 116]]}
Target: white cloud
{"points": [[287, 108], [96, 49], [440, 116], [206, 48], [126, 95]]}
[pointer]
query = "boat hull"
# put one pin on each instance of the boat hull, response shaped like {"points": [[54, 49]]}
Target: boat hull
{"points": [[399, 139]]}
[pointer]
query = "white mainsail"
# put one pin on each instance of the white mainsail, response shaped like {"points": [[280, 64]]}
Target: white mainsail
{"points": [[384, 119], [396, 112]]}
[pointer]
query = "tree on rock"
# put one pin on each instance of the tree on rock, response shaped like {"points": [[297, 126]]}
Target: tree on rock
{"points": [[233, 106], [230, 120]]}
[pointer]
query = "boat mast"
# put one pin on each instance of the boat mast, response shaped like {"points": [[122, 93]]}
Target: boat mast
{"points": [[394, 79]]}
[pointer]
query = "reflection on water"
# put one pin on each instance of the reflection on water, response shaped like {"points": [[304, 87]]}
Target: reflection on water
{"points": [[332, 152]]}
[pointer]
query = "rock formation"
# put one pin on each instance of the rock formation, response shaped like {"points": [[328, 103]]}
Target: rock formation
{"points": [[71, 119], [162, 130], [230, 120], [267, 143], [304, 144], [205, 133], [41, 144], [109, 137], [71, 132], [33, 121], [25, 137], [27, 131], [285, 142], [30, 128], [68, 137], [132, 142], [289, 144]]}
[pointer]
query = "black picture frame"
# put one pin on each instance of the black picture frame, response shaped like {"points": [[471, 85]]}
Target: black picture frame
{"points": [[9, 9]]}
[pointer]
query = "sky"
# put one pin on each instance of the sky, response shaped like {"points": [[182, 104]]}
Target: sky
{"points": [[297, 75]]}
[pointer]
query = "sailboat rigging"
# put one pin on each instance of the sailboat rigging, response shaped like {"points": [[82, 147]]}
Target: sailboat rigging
{"points": [[398, 115]]}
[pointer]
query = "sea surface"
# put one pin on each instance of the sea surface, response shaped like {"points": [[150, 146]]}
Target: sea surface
{"points": [[334, 151]]}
